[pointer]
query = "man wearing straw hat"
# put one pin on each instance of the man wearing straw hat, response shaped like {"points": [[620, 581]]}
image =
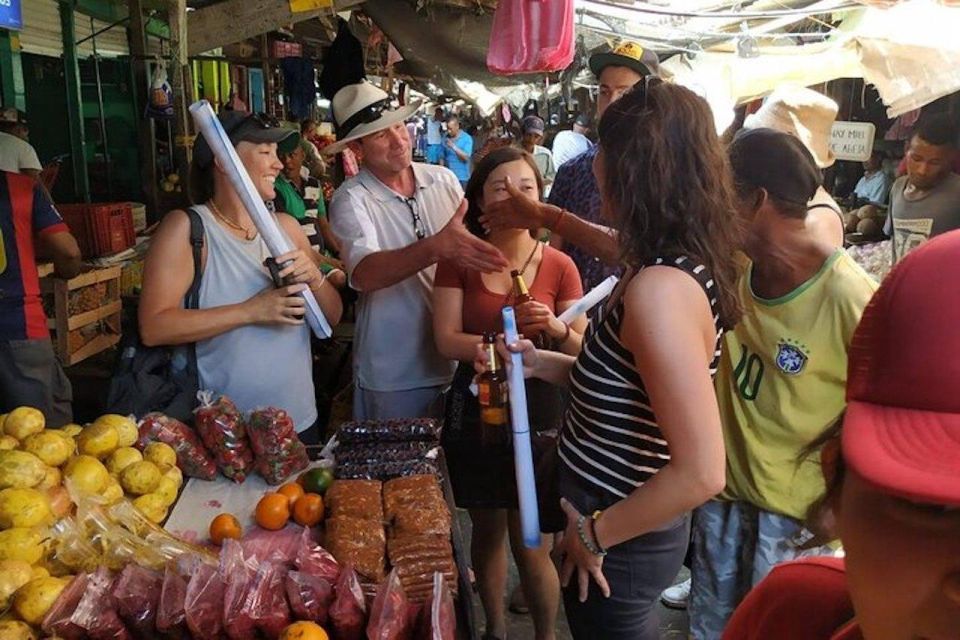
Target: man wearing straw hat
{"points": [[395, 220]]}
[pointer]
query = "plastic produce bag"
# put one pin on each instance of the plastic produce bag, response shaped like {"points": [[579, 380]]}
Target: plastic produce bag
{"points": [[203, 603], [389, 614], [438, 619], [348, 613], [277, 450], [237, 571], [97, 610], [267, 600], [58, 621], [160, 96], [221, 427], [531, 36], [279, 546], [314, 560], [137, 593], [192, 458], [171, 615], [310, 596]]}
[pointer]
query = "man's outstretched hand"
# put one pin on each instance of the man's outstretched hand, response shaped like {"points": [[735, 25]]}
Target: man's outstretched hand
{"points": [[457, 244]]}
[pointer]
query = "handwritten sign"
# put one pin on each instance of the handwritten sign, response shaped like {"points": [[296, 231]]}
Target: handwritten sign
{"points": [[852, 140]]}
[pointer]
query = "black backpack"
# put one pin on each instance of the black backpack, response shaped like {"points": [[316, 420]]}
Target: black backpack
{"points": [[144, 378]]}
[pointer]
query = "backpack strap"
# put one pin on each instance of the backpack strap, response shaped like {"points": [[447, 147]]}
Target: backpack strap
{"points": [[192, 299]]}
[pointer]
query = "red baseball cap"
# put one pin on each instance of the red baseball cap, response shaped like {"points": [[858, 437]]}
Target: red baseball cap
{"points": [[902, 427]]}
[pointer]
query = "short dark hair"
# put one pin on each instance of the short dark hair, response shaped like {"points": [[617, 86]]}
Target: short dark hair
{"points": [[453, 118], [305, 124], [474, 190], [938, 130]]}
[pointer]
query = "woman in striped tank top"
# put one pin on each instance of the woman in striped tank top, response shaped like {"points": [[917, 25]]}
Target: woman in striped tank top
{"points": [[641, 444]]}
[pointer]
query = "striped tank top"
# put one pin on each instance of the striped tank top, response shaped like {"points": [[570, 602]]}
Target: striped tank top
{"points": [[610, 438]]}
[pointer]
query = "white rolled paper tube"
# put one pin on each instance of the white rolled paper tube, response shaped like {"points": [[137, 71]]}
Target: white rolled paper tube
{"points": [[277, 242], [522, 450], [588, 301]]}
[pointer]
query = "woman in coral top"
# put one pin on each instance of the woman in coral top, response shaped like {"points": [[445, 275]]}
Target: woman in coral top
{"points": [[466, 305]]}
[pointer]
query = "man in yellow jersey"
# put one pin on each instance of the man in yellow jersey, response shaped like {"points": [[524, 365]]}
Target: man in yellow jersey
{"points": [[781, 378]]}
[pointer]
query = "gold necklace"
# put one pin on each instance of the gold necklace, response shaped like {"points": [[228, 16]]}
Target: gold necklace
{"points": [[230, 223], [526, 264]]}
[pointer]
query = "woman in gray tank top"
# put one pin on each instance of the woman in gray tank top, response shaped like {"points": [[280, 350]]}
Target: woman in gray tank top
{"points": [[251, 340]]}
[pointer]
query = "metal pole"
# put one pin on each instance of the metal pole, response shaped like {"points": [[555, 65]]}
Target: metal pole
{"points": [[71, 68], [103, 117]]}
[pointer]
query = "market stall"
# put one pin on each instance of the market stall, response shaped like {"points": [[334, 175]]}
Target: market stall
{"points": [[100, 537]]}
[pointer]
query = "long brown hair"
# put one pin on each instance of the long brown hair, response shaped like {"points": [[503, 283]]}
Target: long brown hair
{"points": [[474, 190], [667, 181]]}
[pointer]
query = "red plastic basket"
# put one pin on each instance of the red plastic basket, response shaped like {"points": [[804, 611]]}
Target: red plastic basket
{"points": [[101, 229]]}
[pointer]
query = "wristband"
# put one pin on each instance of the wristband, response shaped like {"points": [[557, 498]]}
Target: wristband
{"points": [[595, 516], [566, 333]]}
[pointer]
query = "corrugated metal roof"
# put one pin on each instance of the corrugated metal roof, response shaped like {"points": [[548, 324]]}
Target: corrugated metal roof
{"points": [[41, 32]]}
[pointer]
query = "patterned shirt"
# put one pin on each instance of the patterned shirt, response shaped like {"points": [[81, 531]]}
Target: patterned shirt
{"points": [[575, 189]]}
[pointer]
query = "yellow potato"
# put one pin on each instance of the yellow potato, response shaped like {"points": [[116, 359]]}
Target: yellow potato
{"points": [[16, 630], [172, 472], [13, 575], [126, 428], [151, 505], [71, 430], [7, 443], [24, 508], [24, 544], [20, 469], [87, 474], [50, 446], [23, 422], [122, 458], [113, 493], [98, 440], [140, 478], [167, 489], [160, 453], [34, 599], [52, 478]]}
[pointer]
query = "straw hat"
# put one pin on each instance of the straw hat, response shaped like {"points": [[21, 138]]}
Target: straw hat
{"points": [[361, 109], [802, 113]]}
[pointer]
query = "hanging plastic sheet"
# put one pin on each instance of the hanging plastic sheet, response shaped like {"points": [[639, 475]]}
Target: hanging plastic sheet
{"points": [[530, 36]]}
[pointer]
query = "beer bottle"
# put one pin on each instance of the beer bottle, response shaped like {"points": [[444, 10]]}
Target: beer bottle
{"points": [[492, 395], [520, 295]]}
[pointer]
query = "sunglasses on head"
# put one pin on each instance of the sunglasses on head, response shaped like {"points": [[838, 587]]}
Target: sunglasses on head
{"points": [[264, 120], [370, 113]]}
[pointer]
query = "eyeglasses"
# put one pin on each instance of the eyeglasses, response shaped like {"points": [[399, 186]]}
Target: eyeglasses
{"points": [[417, 221], [370, 113]]}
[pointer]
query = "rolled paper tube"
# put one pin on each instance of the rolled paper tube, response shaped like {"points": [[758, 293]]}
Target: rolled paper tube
{"points": [[522, 451], [277, 242], [588, 301]]}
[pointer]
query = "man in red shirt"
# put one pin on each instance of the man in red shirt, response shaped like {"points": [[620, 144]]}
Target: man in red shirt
{"points": [[30, 374], [893, 477]]}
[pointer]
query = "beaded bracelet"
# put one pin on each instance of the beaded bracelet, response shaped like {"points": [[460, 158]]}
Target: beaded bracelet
{"points": [[591, 547]]}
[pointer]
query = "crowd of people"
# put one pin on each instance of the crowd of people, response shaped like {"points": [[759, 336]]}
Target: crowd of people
{"points": [[747, 401]]}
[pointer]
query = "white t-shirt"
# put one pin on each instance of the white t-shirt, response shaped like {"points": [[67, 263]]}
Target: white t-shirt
{"points": [[394, 346], [567, 145], [434, 131], [17, 154]]}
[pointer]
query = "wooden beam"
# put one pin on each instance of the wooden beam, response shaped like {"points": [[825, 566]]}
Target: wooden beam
{"points": [[178, 84], [146, 134], [235, 20]]}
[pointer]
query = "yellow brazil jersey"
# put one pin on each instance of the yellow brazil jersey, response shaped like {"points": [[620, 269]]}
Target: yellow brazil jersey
{"points": [[781, 383]]}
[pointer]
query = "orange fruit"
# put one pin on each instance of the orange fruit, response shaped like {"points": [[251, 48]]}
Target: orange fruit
{"points": [[304, 631], [273, 511], [308, 510], [293, 491], [225, 526]]}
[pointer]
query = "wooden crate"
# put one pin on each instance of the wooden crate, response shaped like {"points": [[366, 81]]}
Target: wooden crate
{"points": [[86, 313]]}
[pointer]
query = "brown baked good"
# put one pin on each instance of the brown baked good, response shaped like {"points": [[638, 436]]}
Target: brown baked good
{"points": [[413, 492], [359, 542], [421, 520], [356, 499], [416, 558]]}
